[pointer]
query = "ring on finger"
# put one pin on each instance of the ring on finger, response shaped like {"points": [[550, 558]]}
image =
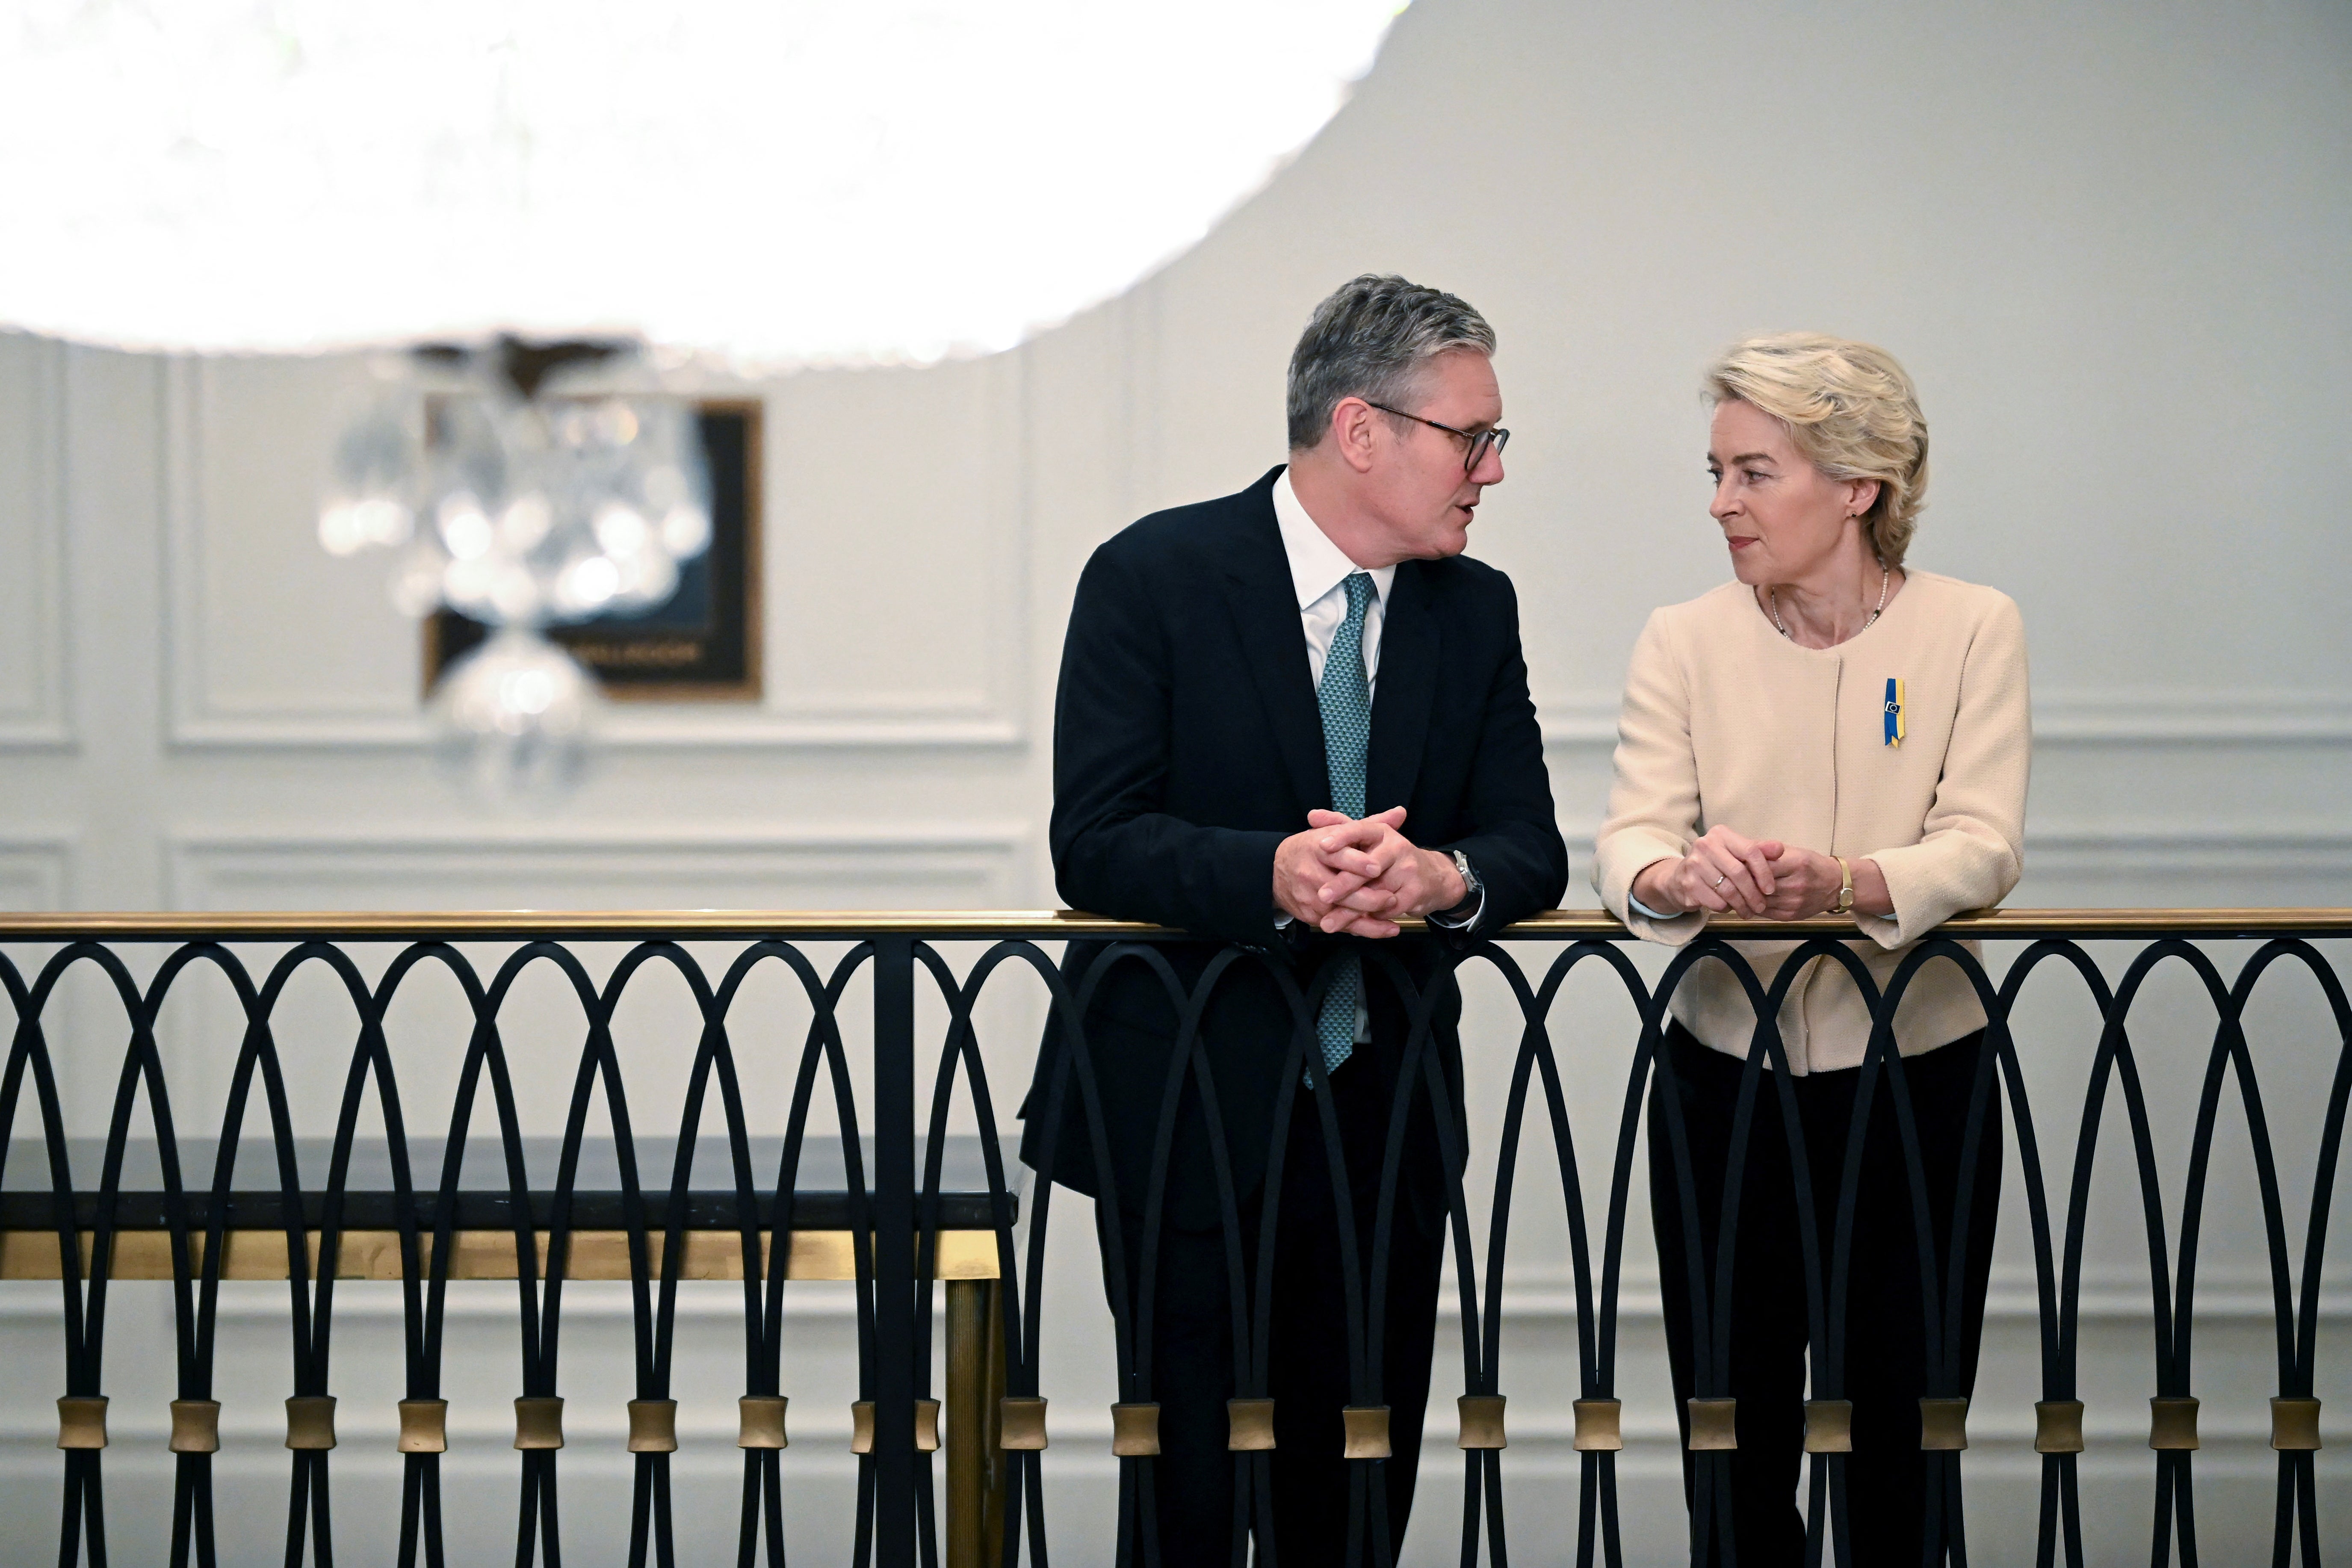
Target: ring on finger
{"points": [[1720, 880]]}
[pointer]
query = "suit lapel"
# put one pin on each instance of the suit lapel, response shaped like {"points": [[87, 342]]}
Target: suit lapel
{"points": [[1408, 685], [1265, 617]]}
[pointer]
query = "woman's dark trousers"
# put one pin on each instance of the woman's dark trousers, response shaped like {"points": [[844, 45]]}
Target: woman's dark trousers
{"points": [[1885, 1346]]}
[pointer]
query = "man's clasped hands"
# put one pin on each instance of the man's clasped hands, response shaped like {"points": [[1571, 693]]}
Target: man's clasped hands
{"points": [[1361, 875]]}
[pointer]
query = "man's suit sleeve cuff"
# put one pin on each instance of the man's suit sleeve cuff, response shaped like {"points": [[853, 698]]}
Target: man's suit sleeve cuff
{"points": [[1454, 920]]}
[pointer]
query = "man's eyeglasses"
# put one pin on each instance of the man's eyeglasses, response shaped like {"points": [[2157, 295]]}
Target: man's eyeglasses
{"points": [[1479, 440]]}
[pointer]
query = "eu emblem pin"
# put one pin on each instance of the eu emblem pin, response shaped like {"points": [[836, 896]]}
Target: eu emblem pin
{"points": [[1894, 710]]}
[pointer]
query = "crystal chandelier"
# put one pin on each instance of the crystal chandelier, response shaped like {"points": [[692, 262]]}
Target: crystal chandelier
{"points": [[521, 505], [774, 182], [753, 186]]}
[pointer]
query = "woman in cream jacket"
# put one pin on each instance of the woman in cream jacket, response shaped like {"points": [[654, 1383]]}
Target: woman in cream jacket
{"points": [[1831, 732]]}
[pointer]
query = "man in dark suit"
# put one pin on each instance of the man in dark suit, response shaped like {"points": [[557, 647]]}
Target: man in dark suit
{"points": [[1296, 720]]}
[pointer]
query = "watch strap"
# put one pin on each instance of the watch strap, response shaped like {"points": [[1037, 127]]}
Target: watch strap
{"points": [[1474, 891]]}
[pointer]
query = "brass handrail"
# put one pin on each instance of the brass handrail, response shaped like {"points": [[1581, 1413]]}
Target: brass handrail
{"points": [[1042, 925]]}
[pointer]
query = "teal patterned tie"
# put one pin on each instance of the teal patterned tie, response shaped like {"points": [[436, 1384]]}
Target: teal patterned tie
{"points": [[1345, 698]]}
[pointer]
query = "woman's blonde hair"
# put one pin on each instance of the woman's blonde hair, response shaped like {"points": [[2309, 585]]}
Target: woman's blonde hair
{"points": [[1850, 409]]}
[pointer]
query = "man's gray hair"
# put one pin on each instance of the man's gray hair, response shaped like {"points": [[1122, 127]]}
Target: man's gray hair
{"points": [[1372, 339]]}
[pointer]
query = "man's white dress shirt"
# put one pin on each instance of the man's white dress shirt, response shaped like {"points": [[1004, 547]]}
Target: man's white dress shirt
{"points": [[1319, 573]]}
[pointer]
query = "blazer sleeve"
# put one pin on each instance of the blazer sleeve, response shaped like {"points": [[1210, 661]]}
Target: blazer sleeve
{"points": [[1654, 805], [1514, 840], [1971, 847], [1116, 851]]}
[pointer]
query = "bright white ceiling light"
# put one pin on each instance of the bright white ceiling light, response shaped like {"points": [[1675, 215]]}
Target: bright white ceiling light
{"points": [[776, 181]]}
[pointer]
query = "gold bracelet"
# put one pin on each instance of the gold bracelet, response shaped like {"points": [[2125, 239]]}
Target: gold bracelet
{"points": [[1845, 904]]}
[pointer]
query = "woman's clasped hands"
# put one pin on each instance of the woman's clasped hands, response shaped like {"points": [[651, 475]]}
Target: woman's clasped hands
{"points": [[1727, 872]]}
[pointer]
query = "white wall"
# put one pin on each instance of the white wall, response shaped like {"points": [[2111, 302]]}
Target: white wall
{"points": [[2109, 241]]}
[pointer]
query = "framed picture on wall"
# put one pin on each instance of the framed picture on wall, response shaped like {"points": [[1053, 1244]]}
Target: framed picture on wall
{"points": [[704, 645]]}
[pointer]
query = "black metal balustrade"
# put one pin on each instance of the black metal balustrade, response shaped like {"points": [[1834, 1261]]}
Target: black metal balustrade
{"points": [[413, 1207]]}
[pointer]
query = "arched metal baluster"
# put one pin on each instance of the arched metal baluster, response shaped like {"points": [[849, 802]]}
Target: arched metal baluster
{"points": [[485, 1054], [1950, 1344], [2115, 1057], [1419, 1060], [2228, 1049], [141, 1019], [421, 1281], [1596, 1325], [370, 1057], [2060, 1528], [2232, 1044], [176, 1221], [83, 1504], [143, 1063], [1139, 1489], [1305, 1004], [962, 1050], [1710, 1299], [655, 1304], [2060, 1517], [538, 1523], [1827, 1512], [1765, 1046], [714, 1057], [762, 1507], [1310, 1068], [1074, 1065], [1422, 996], [1648, 1054], [1482, 1340], [2298, 1504], [1482, 1514], [763, 1282], [85, 1514], [309, 1525], [1599, 1468], [28, 1050]]}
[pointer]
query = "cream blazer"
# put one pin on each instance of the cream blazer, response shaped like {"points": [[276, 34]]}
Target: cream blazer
{"points": [[1726, 721]]}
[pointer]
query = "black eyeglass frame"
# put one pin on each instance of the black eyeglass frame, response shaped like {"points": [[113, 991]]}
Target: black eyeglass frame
{"points": [[1480, 441]]}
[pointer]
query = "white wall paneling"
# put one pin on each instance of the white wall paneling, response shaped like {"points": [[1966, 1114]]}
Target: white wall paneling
{"points": [[2319, 713], [2124, 867], [268, 638], [918, 867], [897, 574], [34, 704], [35, 873]]}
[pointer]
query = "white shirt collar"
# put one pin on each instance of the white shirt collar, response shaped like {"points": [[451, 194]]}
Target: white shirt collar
{"points": [[1317, 565]]}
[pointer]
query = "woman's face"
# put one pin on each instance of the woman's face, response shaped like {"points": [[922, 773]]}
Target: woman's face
{"points": [[1785, 520]]}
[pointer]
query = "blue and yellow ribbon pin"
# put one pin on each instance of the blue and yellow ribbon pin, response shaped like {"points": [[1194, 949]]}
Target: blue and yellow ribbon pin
{"points": [[1894, 710]]}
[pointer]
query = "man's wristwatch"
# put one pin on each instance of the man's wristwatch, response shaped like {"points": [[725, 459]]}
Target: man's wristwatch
{"points": [[1473, 889], [1844, 904]]}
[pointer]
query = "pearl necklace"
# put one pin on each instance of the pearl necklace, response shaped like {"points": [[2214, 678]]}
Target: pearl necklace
{"points": [[1885, 577]]}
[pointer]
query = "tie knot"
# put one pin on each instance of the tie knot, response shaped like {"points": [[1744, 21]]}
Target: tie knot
{"points": [[1359, 585]]}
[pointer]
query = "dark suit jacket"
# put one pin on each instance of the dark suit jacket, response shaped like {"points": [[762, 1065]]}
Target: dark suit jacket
{"points": [[1186, 745]]}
